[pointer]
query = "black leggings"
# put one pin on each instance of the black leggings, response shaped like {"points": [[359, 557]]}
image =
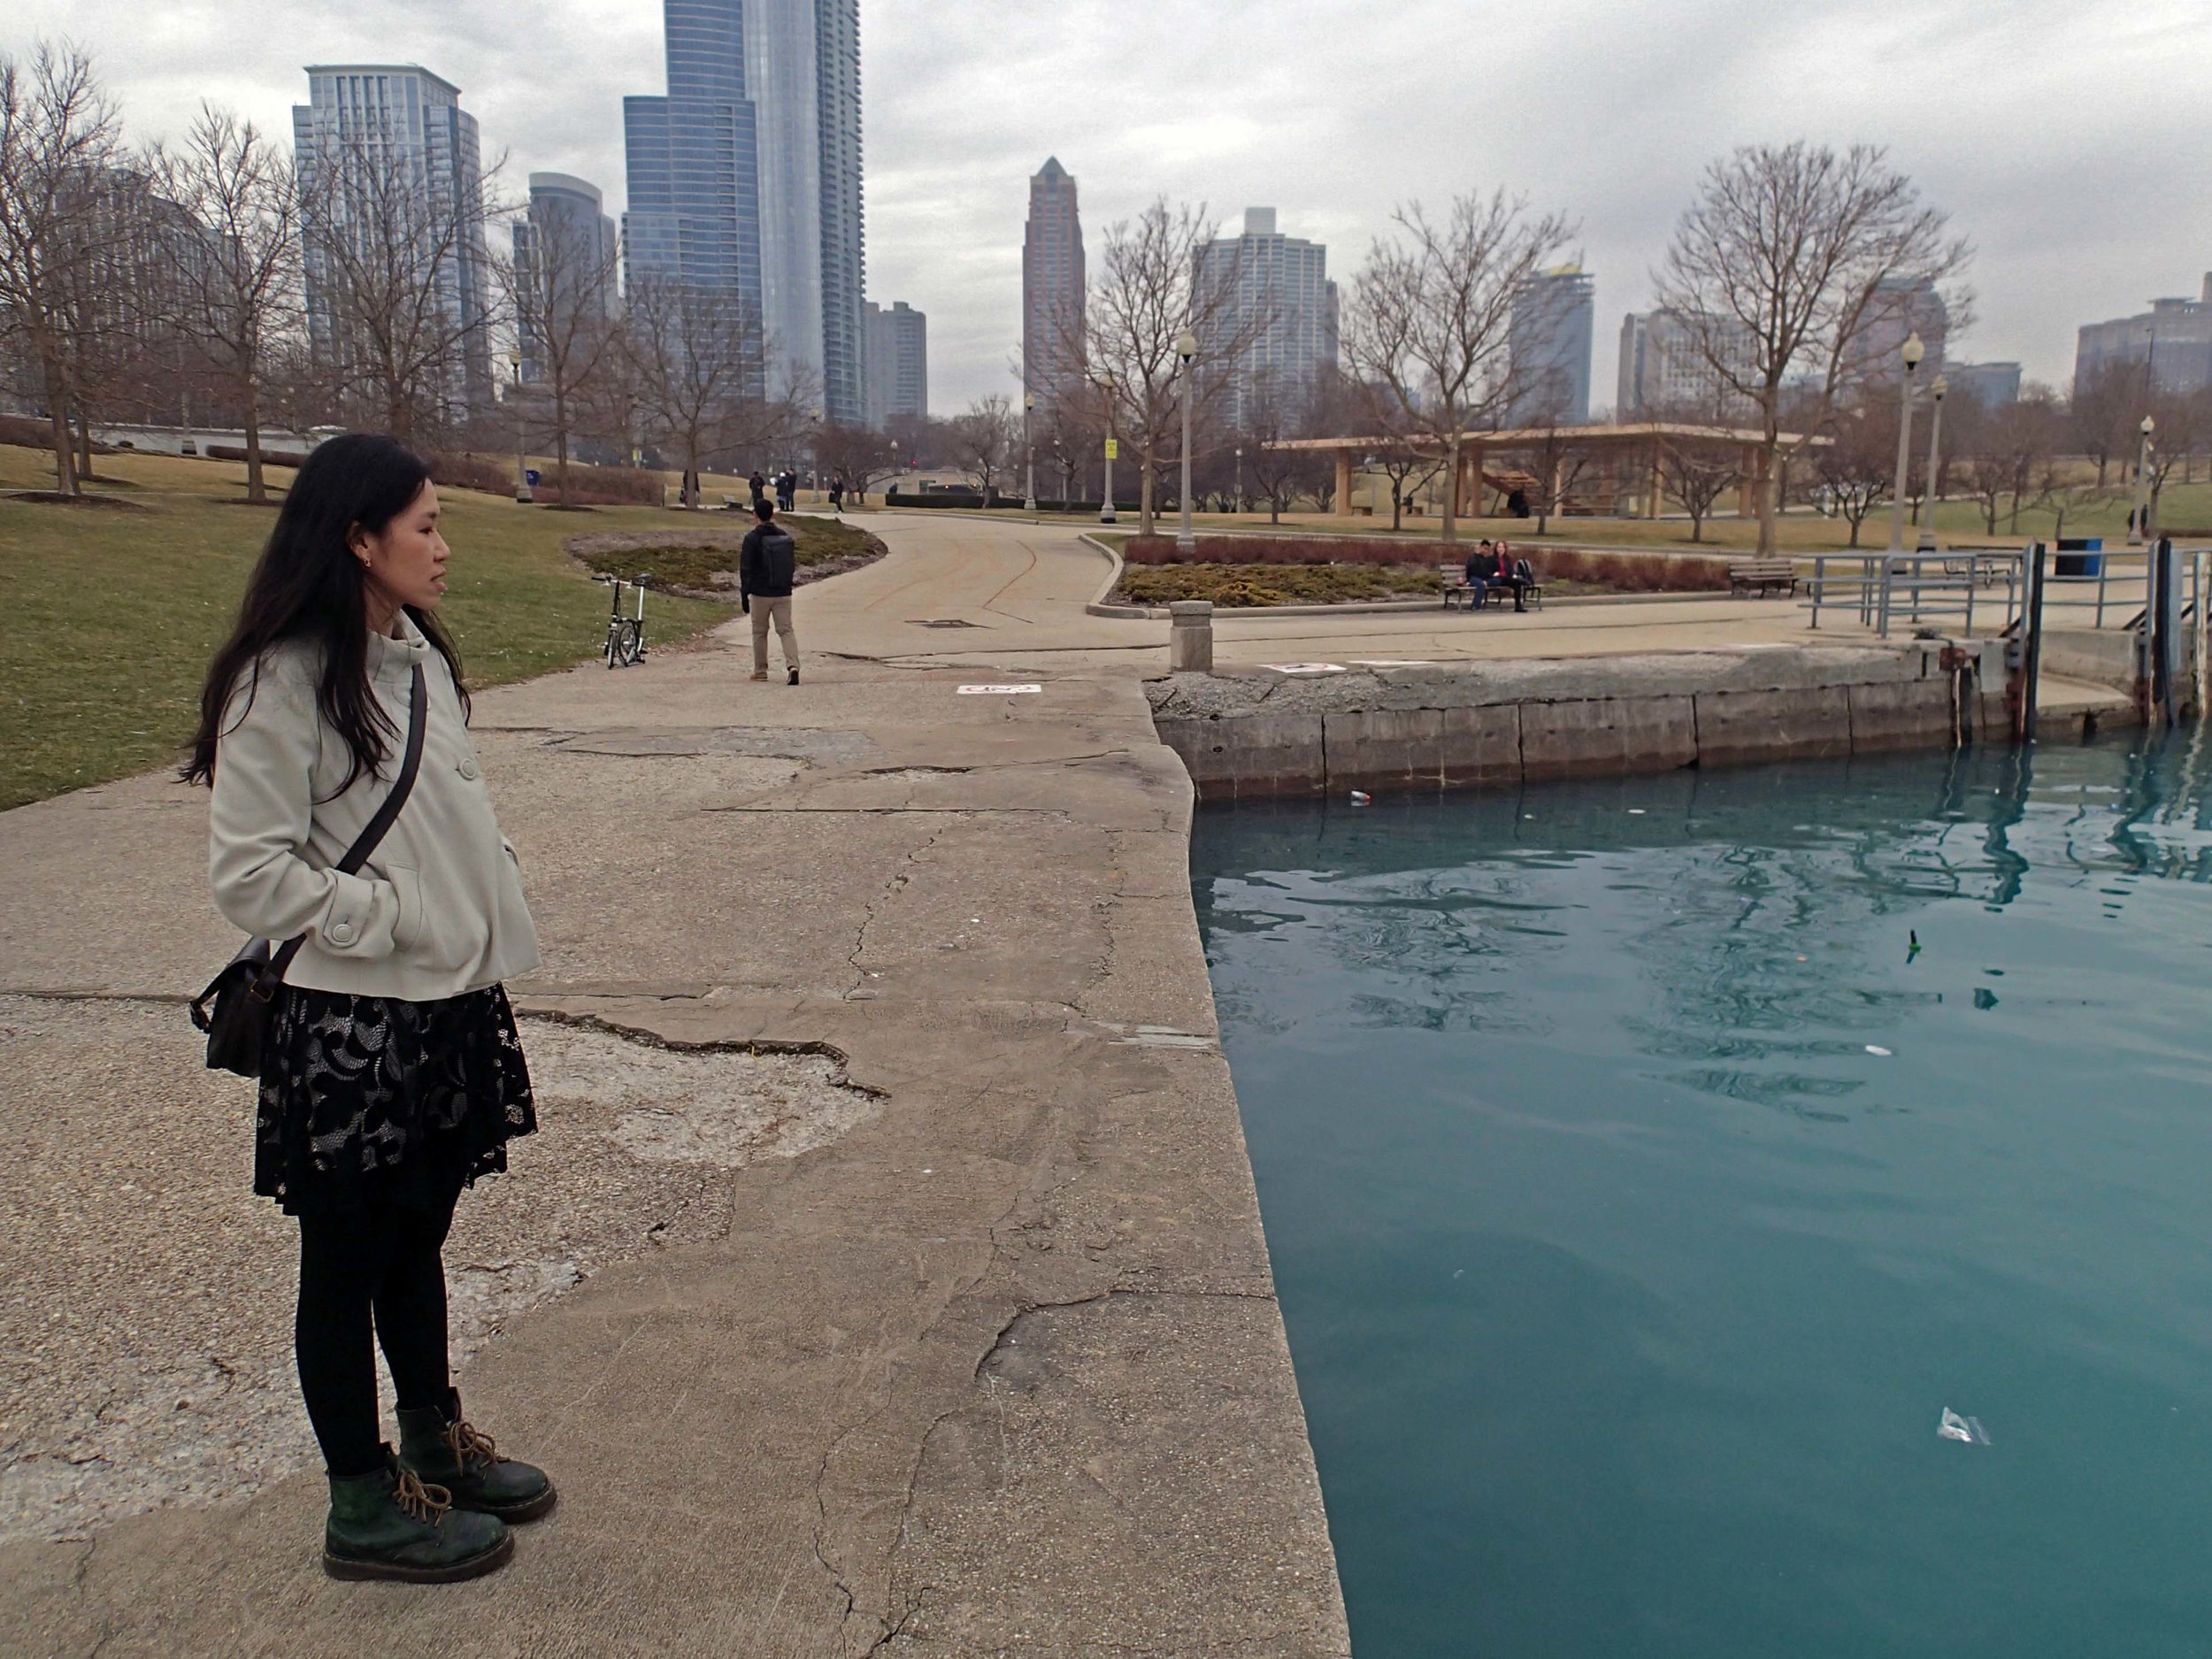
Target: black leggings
{"points": [[376, 1268]]}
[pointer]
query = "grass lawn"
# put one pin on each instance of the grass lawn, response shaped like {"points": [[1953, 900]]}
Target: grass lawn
{"points": [[108, 617]]}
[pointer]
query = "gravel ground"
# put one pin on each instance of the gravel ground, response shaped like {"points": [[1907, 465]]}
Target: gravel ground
{"points": [[145, 1353]]}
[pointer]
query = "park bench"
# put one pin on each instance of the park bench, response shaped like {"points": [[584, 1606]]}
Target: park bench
{"points": [[1761, 576], [1453, 574]]}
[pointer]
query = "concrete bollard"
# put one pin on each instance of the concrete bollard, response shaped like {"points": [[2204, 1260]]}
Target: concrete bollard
{"points": [[1190, 636]]}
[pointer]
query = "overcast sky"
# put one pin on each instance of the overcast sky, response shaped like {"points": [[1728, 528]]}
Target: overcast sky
{"points": [[2070, 139]]}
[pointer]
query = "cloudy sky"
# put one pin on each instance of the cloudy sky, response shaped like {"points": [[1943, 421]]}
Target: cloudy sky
{"points": [[2070, 139]]}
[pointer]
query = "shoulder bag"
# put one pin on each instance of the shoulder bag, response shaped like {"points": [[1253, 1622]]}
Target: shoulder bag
{"points": [[235, 1009]]}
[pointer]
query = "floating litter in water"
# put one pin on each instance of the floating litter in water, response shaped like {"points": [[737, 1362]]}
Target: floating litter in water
{"points": [[1876, 1048], [1360, 797], [1635, 812], [1955, 1427]]}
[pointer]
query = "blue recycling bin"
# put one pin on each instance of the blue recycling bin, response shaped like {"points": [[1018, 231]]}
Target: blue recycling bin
{"points": [[2080, 556], [531, 473]]}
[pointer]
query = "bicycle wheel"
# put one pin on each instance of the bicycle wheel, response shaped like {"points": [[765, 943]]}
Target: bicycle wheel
{"points": [[614, 644], [627, 643], [637, 642]]}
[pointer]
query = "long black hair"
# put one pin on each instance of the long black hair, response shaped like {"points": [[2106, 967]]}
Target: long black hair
{"points": [[309, 587]]}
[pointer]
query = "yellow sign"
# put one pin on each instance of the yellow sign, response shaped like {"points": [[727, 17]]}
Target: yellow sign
{"points": [[1113, 448]]}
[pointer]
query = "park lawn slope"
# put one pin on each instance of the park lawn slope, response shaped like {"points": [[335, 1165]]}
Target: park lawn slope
{"points": [[109, 615]]}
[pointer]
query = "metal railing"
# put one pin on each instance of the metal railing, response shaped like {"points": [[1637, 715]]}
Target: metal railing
{"points": [[1878, 589]]}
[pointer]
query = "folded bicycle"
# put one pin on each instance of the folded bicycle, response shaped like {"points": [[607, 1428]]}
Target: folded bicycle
{"points": [[625, 635]]}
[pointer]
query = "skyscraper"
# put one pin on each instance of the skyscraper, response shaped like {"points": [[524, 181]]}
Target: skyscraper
{"points": [[1547, 341], [390, 147], [1280, 301], [2173, 340], [1991, 385], [747, 176], [898, 363], [1664, 375], [1901, 306], [567, 225], [1052, 287]]}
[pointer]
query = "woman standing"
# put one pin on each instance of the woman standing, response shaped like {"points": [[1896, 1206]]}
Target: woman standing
{"points": [[392, 1076]]}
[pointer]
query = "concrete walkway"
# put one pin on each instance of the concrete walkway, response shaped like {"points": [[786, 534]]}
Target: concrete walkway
{"points": [[886, 1275], [984, 1360]]}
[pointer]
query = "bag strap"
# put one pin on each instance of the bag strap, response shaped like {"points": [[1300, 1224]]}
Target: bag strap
{"points": [[372, 833]]}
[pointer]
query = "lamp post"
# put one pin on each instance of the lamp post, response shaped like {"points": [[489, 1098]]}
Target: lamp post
{"points": [[522, 465], [894, 484], [1912, 354], [1106, 506], [1935, 461], [2138, 520], [1239, 477], [1185, 348], [1029, 452]]}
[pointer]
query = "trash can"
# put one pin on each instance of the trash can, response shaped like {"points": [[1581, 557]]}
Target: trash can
{"points": [[2079, 556]]}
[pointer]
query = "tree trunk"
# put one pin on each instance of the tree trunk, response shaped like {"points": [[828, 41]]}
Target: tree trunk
{"points": [[84, 444], [1855, 523], [1697, 527], [64, 447], [1144, 493], [2101, 466], [257, 491], [560, 441], [1397, 505], [1770, 506], [1451, 487]]}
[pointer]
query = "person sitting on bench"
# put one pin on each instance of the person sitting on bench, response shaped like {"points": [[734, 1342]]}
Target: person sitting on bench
{"points": [[1482, 565], [1506, 573]]}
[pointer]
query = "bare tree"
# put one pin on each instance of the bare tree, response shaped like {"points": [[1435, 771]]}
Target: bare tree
{"points": [[57, 131], [397, 264], [1150, 286], [1276, 410], [1408, 471], [1698, 475], [2063, 495], [854, 454], [2101, 413], [559, 288], [1778, 268], [2176, 432], [1560, 460], [1858, 467], [700, 362], [1427, 324], [983, 439], [239, 289]]}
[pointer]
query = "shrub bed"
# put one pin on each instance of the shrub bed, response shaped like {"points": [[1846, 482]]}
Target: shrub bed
{"points": [[1238, 586], [706, 561], [1278, 549], [1570, 567], [602, 487], [1631, 572]]}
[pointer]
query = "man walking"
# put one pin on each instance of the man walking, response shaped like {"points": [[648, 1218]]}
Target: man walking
{"points": [[766, 567]]}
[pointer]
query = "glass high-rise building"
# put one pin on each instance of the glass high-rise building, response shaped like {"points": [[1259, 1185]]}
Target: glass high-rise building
{"points": [[1052, 287], [1278, 300], [745, 177], [362, 126], [567, 225], [1547, 342]]}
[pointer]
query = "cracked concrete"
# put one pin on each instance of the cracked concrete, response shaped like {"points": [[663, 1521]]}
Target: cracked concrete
{"points": [[771, 1394]]}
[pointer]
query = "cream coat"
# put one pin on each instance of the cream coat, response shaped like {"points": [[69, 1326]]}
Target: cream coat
{"points": [[438, 908]]}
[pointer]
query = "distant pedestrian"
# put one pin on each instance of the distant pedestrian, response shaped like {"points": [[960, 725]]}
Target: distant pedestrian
{"points": [[837, 494], [760, 490], [766, 567], [787, 490], [391, 1076]]}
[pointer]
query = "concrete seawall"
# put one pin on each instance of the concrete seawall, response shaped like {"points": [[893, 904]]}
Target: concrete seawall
{"points": [[1266, 732]]}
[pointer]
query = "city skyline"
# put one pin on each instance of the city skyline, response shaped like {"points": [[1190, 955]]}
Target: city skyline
{"points": [[2075, 220]]}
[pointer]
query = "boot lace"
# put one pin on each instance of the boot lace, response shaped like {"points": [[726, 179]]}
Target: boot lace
{"points": [[418, 1500], [468, 1442]]}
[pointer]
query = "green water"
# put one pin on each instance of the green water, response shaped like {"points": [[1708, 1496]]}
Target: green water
{"points": [[1627, 1283]]}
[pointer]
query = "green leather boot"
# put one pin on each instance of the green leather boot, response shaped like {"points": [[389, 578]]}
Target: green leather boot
{"points": [[444, 1446], [389, 1525]]}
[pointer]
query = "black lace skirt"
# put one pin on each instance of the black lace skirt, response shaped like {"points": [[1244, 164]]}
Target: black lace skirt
{"points": [[372, 1100]]}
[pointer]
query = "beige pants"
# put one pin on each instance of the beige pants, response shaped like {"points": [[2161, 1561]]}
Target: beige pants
{"points": [[779, 611]]}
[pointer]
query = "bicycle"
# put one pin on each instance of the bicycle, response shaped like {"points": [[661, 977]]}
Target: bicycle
{"points": [[625, 635]]}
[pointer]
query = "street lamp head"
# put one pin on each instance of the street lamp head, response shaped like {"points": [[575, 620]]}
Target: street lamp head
{"points": [[1186, 345], [1914, 351], [1029, 400], [2149, 426], [1941, 386]]}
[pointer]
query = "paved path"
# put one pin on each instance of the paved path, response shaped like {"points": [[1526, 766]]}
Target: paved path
{"points": [[965, 1339]]}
